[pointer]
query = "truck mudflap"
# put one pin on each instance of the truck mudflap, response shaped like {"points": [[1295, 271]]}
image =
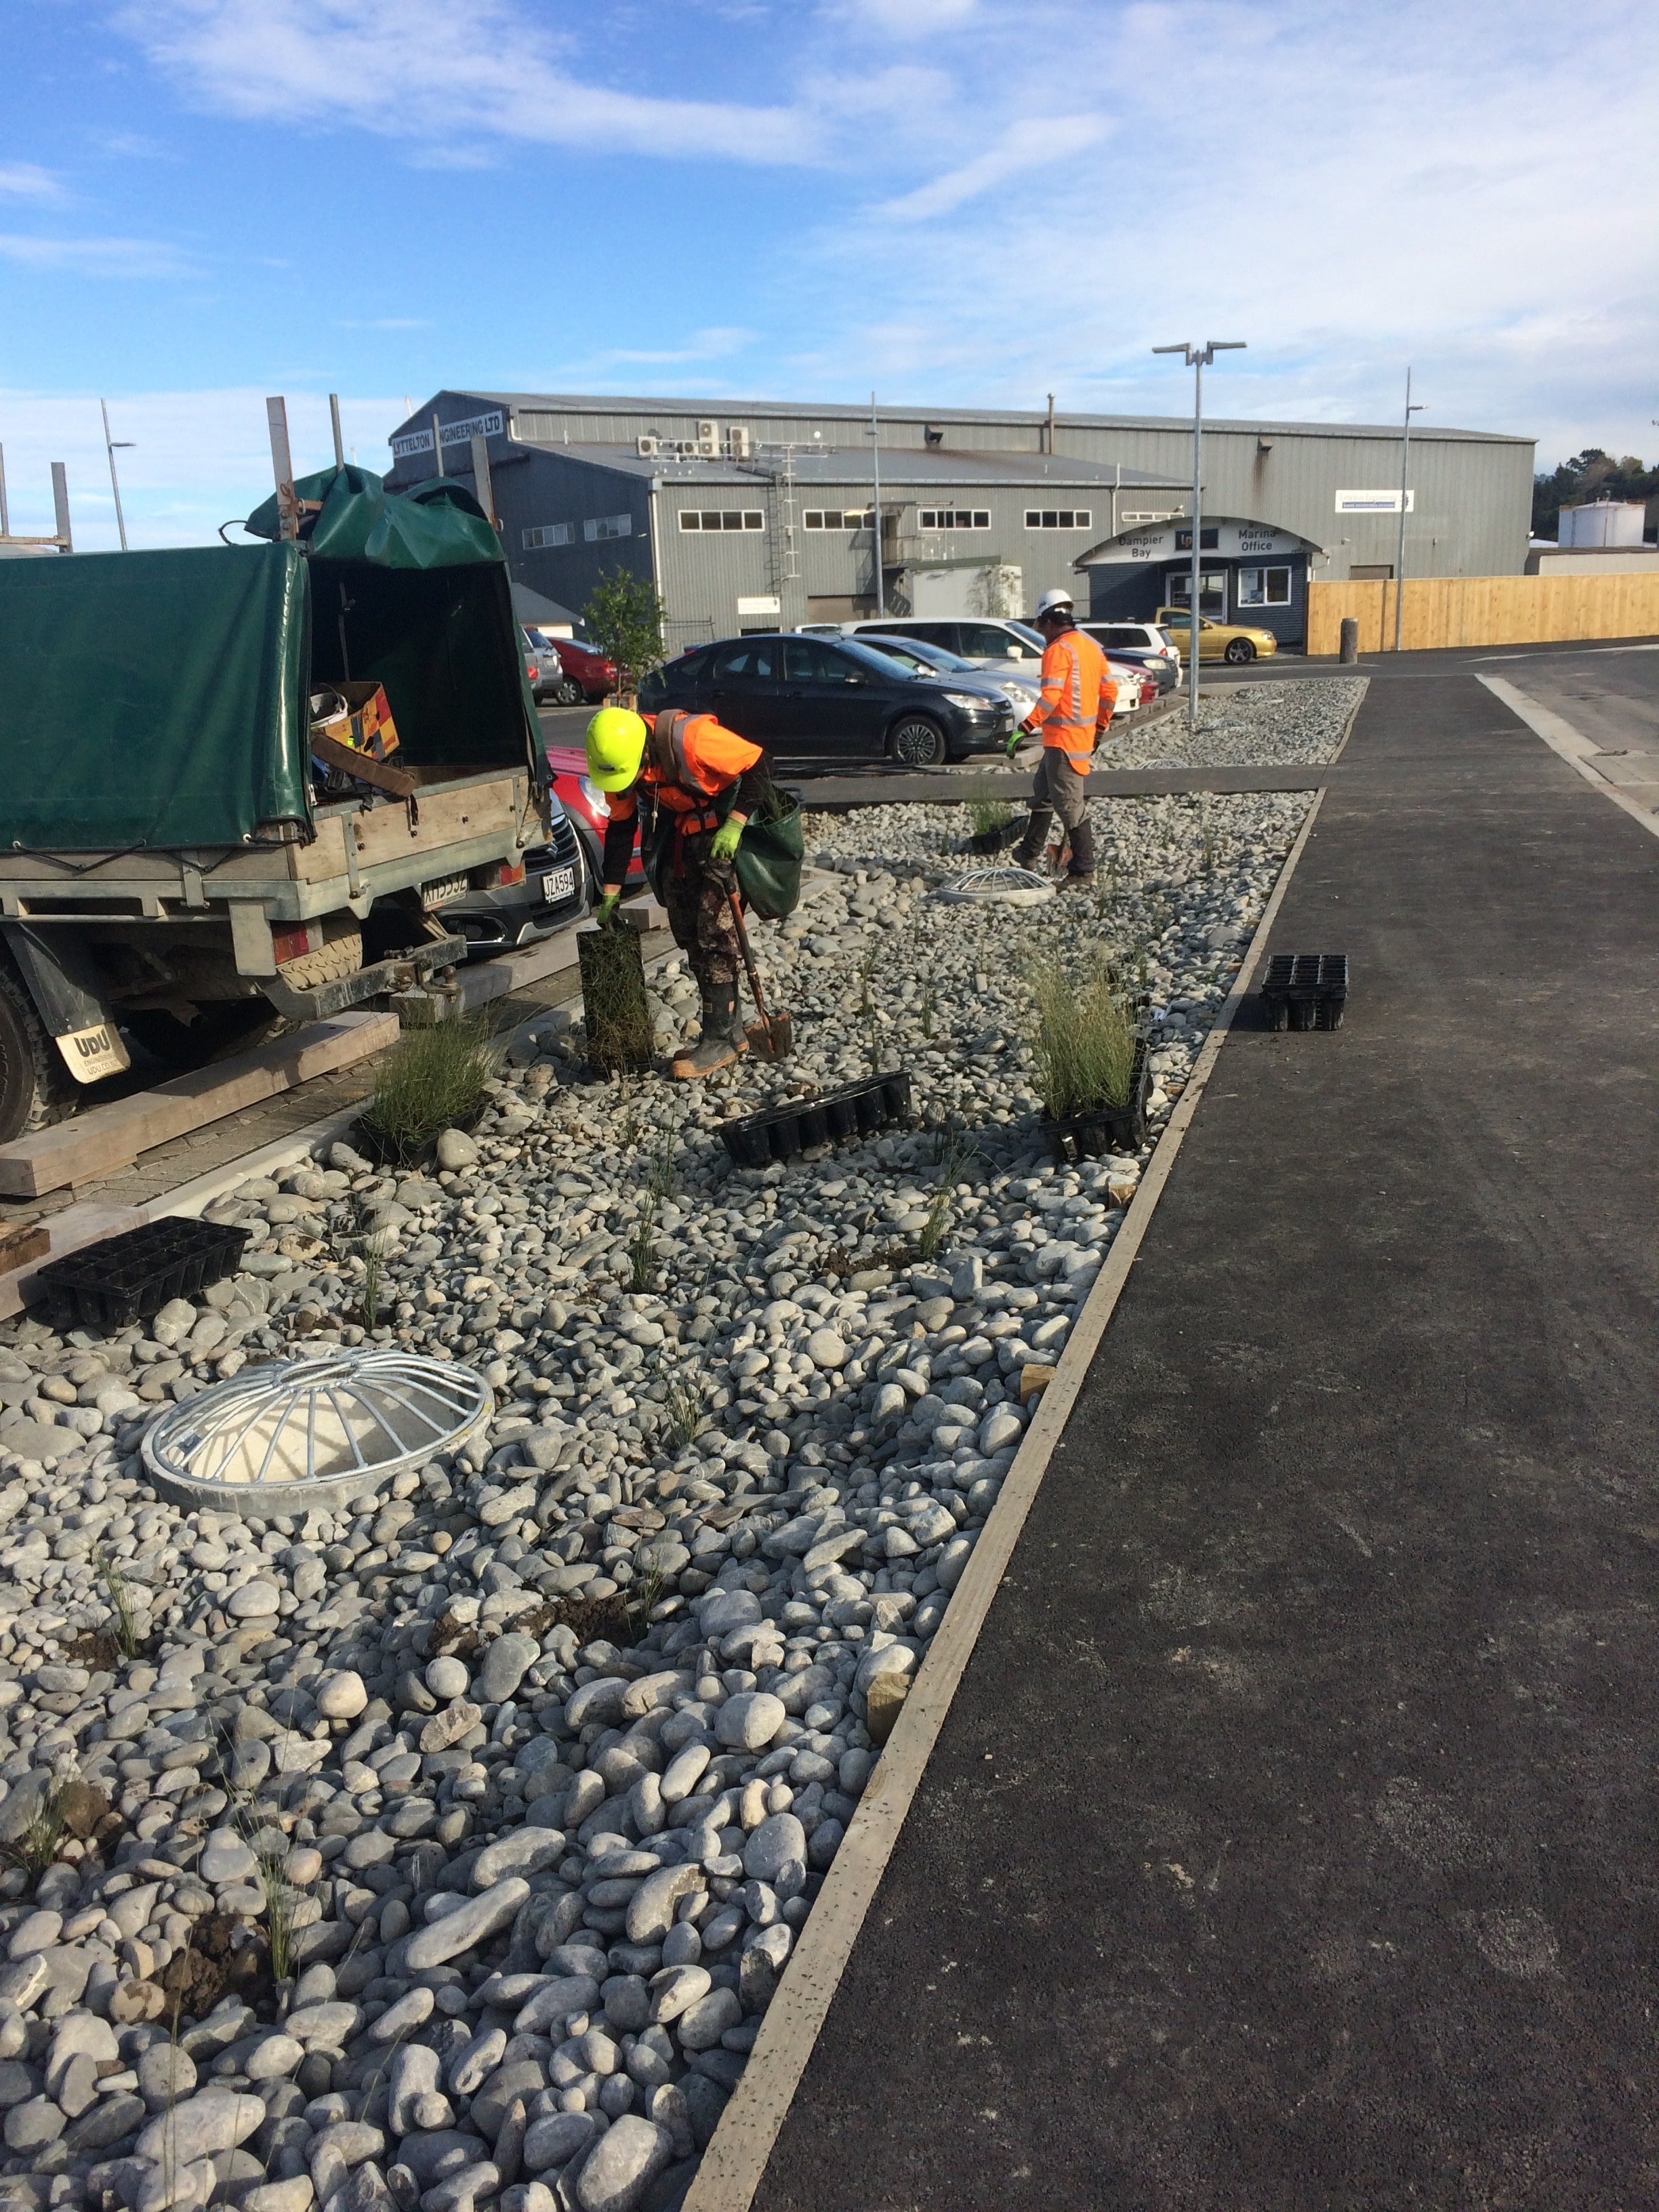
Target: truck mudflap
{"points": [[61, 978], [400, 973]]}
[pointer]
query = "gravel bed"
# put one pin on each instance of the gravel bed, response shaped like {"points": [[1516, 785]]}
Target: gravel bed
{"points": [[1251, 726], [446, 1851]]}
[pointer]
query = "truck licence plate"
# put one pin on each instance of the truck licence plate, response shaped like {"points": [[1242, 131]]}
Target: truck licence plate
{"points": [[559, 883]]}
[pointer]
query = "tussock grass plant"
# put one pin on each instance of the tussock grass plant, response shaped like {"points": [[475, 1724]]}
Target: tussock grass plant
{"points": [[279, 1910], [1082, 1041], [36, 1845], [956, 1155], [642, 1246], [986, 815], [431, 1079], [660, 1181], [123, 1613], [683, 1417]]}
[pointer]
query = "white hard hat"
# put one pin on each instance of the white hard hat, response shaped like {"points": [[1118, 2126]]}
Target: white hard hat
{"points": [[1052, 600]]}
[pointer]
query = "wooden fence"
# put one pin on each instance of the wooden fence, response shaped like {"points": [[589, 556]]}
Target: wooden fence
{"points": [[1442, 610]]}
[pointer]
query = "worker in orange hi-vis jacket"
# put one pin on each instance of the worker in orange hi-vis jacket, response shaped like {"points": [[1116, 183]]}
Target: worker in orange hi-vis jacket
{"points": [[689, 776], [1079, 695]]}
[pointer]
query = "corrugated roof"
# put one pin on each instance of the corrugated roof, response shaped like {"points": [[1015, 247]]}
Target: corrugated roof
{"points": [[726, 411]]}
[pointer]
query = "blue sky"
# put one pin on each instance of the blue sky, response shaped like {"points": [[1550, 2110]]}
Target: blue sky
{"points": [[203, 201]]}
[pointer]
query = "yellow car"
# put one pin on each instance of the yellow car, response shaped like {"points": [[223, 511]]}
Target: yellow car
{"points": [[1233, 641]]}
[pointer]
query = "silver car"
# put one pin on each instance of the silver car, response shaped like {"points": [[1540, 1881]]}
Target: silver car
{"points": [[542, 665]]}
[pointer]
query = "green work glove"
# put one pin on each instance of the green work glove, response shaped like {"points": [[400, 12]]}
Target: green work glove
{"points": [[726, 840], [605, 912], [1016, 742]]}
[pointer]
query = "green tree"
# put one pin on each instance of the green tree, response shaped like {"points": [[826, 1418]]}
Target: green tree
{"points": [[624, 618]]}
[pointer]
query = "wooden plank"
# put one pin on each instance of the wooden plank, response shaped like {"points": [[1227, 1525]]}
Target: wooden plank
{"points": [[108, 1138], [19, 1246]]}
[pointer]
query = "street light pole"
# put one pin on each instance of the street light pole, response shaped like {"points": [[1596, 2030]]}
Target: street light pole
{"points": [[1198, 358], [112, 446], [1400, 565], [875, 510]]}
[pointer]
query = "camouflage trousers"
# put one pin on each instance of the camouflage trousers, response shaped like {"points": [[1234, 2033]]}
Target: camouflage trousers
{"points": [[694, 890]]}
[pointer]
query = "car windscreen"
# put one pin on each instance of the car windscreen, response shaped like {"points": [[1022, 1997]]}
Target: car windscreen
{"points": [[911, 651], [1031, 637], [872, 656]]}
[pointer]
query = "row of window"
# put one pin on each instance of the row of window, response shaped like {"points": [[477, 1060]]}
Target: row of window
{"points": [[954, 518], [1059, 518], [836, 518], [721, 518], [597, 530]]}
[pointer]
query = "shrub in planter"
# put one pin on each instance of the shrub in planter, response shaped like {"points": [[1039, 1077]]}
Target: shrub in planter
{"points": [[1090, 1059], [431, 1080]]}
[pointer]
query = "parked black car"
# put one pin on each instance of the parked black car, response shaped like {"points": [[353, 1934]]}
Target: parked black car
{"points": [[824, 699]]}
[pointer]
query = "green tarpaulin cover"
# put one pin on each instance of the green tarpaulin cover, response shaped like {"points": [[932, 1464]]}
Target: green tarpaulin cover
{"points": [[161, 699], [152, 698]]}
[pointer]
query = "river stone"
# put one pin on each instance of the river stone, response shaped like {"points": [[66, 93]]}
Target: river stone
{"points": [[255, 1601], [212, 2120], [522, 1850], [468, 1926], [505, 1665], [651, 1908], [771, 1846], [341, 1696], [750, 1720], [226, 1859], [456, 1150], [623, 2164], [446, 1678]]}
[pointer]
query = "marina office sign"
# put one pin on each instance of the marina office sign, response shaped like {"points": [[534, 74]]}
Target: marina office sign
{"points": [[1228, 538]]}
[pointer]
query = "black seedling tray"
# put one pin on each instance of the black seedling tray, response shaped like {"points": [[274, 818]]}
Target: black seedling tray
{"points": [[1108, 1128], [125, 1278], [1306, 990], [854, 1109]]}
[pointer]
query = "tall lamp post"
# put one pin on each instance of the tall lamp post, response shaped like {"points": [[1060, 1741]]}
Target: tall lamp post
{"points": [[112, 446], [1198, 359], [1405, 463], [875, 509]]}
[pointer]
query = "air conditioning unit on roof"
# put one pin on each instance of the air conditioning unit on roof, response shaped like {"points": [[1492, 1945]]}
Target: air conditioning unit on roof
{"points": [[709, 440], [648, 445], [736, 441]]}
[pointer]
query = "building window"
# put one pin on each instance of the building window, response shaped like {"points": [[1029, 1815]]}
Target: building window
{"points": [[1209, 541], [543, 534], [836, 518], [953, 518], [1263, 588], [1059, 518], [600, 527], [721, 518]]}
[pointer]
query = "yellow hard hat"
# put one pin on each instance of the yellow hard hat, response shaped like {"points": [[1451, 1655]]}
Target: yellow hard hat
{"points": [[616, 746]]}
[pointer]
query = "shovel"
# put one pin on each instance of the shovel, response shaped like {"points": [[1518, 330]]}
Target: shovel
{"points": [[773, 1037]]}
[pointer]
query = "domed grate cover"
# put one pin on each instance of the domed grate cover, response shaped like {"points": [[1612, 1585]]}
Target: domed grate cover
{"points": [[354, 1419], [1010, 886]]}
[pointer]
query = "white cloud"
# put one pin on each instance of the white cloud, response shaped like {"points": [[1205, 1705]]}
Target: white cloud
{"points": [[1035, 143], [92, 257], [426, 70], [25, 180]]}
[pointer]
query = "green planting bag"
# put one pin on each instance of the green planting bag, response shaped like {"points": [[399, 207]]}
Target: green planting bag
{"points": [[768, 862]]}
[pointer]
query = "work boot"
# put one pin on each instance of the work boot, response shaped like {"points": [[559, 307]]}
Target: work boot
{"points": [[1080, 858], [1034, 844], [722, 1040]]}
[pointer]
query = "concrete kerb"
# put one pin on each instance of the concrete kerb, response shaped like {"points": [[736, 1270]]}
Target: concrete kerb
{"points": [[1572, 745], [736, 2160]]}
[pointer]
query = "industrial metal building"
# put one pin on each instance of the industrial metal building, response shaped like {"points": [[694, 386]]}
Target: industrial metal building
{"points": [[759, 515]]}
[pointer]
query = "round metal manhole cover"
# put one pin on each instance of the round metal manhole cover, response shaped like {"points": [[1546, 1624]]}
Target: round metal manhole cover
{"points": [[280, 1438]]}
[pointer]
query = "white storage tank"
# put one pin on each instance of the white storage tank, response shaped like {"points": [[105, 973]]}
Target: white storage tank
{"points": [[1603, 522]]}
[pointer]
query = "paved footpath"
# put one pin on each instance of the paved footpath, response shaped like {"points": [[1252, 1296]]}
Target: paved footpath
{"points": [[1293, 1841]]}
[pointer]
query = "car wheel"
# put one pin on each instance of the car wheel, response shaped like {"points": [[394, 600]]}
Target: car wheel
{"points": [[569, 693], [916, 742], [36, 1089], [1239, 650]]}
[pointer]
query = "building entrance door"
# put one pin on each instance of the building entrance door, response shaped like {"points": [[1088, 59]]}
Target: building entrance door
{"points": [[1212, 591]]}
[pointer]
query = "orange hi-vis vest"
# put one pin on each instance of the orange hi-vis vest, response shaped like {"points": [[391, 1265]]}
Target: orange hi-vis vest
{"points": [[689, 760], [1079, 695]]}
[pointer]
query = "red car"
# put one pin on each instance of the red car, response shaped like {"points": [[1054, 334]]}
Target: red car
{"points": [[589, 808], [587, 674]]}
